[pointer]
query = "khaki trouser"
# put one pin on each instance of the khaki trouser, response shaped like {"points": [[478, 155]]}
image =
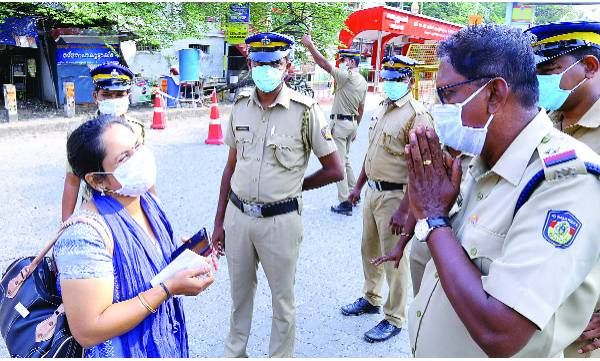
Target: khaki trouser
{"points": [[274, 242], [419, 256], [343, 131], [378, 240]]}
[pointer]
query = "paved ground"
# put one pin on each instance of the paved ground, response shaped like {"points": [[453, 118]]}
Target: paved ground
{"points": [[329, 269]]}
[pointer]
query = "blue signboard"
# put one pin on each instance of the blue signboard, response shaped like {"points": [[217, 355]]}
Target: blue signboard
{"points": [[239, 13], [86, 54]]}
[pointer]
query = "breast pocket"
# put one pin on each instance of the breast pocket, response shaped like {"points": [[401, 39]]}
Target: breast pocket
{"points": [[482, 245], [287, 151], [243, 143], [392, 140]]}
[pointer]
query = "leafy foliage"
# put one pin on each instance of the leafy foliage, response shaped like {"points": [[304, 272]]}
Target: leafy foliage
{"points": [[160, 23]]}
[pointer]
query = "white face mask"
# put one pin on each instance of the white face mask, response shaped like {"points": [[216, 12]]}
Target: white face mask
{"points": [[117, 106], [137, 174], [452, 132]]}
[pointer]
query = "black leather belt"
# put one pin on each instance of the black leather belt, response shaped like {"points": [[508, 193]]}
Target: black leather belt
{"points": [[342, 117], [264, 210], [385, 186]]}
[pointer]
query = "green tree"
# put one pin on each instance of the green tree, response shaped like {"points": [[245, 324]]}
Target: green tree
{"points": [[160, 23]]}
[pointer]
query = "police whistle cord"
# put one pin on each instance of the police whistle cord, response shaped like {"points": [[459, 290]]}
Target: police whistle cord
{"points": [[178, 99]]}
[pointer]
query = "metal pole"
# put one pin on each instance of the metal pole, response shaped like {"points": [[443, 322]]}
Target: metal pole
{"points": [[508, 16], [377, 62]]}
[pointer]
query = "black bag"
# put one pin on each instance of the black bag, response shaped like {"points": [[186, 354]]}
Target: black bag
{"points": [[32, 317]]}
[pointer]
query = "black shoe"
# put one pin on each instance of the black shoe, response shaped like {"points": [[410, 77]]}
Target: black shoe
{"points": [[383, 331], [344, 208], [359, 307]]}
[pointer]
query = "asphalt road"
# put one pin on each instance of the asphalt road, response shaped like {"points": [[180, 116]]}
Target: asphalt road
{"points": [[32, 170]]}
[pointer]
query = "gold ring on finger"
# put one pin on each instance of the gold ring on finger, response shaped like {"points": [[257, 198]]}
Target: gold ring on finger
{"points": [[427, 162]]}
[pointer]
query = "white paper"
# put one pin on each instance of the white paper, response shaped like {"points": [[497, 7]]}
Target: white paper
{"points": [[22, 310], [187, 259]]}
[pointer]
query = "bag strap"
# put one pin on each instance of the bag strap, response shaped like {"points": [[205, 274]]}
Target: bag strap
{"points": [[16, 283]]}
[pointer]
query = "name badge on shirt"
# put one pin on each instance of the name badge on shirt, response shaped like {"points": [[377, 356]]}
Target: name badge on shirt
{"points": [[242, 128]]}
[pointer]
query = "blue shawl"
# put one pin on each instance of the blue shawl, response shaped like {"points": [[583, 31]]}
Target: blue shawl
{"points": [[136, 260]]}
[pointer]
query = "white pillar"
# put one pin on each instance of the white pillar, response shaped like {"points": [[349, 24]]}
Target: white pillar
{"points": [[377, 62]]}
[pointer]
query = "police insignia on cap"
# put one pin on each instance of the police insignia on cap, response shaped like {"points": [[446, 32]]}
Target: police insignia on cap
{"points": [[265, 41], [114, 73], [391, 62]]}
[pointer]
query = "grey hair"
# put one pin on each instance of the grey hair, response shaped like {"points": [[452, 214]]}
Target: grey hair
{"points": [[497, 51]]}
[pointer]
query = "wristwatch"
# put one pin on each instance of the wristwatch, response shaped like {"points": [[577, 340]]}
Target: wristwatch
{"points": [[426, 225]]}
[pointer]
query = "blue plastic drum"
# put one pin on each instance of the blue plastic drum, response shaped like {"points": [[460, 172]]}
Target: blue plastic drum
{"points": [[189, 65]]}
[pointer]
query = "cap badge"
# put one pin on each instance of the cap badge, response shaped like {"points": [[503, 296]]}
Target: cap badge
{"points": [[265, 41], [114, 73]]}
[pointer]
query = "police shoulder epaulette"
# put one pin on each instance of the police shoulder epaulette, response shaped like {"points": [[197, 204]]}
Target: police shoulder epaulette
{"points": [[559, 158], [243, 94], [301, 98], [417, 106]]}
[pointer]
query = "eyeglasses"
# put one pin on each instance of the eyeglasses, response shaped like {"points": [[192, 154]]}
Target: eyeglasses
{"points": [[441, 91]]}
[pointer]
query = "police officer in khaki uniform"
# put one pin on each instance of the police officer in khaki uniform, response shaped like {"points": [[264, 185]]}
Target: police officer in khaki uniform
{"points": [[113, 83], [568, 61], [516, 272], [346, 112], [419, 252], [271, 132], [384, 170]]}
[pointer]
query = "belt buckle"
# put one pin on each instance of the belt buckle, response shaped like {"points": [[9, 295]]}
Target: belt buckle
{"points": [[374, 185], [254, 210]]}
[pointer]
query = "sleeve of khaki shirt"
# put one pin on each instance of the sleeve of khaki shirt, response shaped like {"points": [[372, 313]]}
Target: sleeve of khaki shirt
{"points": [[229, 136], [340, 76], [320, 134], [533, 276]]}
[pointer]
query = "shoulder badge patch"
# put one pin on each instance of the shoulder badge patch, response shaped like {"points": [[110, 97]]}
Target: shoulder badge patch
{"points": [[561, 228], [326, 133]]}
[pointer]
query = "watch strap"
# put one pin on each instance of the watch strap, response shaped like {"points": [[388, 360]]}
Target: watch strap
{"points": [[438, 222]]}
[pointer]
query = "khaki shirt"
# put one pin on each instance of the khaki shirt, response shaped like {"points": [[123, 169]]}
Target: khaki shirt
{"points": [[350, 91], [586, 130], [542, 261], [388, 134], [271, 159]]}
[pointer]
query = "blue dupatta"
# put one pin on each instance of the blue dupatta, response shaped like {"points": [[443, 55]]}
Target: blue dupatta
{"points": [[136, 260]]}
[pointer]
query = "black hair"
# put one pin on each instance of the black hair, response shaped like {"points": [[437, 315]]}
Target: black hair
{"points": [[492, 50], [85, 149], [578, 54]]}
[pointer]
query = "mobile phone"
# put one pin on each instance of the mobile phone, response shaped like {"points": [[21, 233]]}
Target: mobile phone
{"points": [[199, 243]]}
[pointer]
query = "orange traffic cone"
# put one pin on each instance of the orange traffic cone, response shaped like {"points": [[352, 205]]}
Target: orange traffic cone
{"points": [[215, 134], [158, 119]]}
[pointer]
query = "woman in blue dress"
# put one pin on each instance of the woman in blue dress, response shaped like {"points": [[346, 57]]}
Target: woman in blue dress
{"points": [[104, 277]]}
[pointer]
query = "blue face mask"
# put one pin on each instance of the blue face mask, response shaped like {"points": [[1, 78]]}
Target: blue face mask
{"points": [[267, 78], [552, 97], [395, 89]]}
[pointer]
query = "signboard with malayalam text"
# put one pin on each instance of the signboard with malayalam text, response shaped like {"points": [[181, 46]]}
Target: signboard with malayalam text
{"points": [[86, 54], [237, 33], [239, 13]]}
